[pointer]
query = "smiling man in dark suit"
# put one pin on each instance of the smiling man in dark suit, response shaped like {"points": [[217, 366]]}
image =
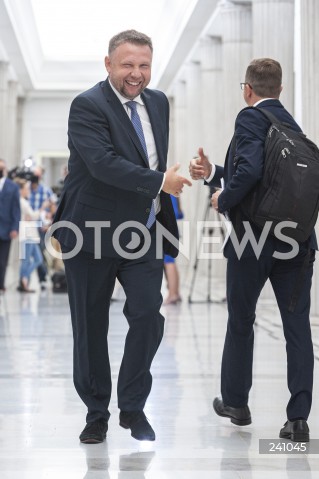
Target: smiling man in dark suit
{"points": [[9, 219], [118, 141], [247, 274]]}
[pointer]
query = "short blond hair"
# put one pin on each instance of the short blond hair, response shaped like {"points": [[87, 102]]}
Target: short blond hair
{"points": [[129, 36]]}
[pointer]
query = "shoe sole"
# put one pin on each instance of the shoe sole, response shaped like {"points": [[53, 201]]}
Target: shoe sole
{"points": [[125, 426], [238, 422], [296, 437], [91, 441]]}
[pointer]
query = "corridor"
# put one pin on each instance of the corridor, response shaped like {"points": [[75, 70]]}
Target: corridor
{"points": [[42, 416]]}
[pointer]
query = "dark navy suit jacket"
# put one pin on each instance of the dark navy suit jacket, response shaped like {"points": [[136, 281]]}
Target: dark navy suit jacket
{"points": [[243, 170], [9, 209], [109, 177]]}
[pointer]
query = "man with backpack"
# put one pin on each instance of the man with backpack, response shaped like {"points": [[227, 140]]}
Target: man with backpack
{"points": [[281, 258]]}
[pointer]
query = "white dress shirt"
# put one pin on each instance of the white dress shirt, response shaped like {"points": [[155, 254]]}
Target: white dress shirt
{"points": [[148, 135], [2, 180]]}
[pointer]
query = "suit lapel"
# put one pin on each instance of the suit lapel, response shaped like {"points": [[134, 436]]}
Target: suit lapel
{"points": [[120, 112]]}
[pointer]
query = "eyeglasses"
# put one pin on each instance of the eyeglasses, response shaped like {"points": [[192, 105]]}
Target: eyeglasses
{"points": [[242, 85]]}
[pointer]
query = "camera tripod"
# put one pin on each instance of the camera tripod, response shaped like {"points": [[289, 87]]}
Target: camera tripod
{"points": [[211, 231]]}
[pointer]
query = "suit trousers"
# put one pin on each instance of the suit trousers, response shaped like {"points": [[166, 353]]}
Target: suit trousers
{"points": [[90, 286], [245, 280], [4, 256], [42, 267]]}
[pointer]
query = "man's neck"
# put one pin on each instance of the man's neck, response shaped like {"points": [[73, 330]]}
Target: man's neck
{"points": [[263, 99]]}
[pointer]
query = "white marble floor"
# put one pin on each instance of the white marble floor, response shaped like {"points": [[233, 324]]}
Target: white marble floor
{"points": [[41, 415]]}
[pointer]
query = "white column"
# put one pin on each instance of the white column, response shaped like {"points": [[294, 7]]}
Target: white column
{"points": [[193, 106], [178, 145], [192, 198], [237, 49], [212, 89], [213, 120], [310, 68], [309, 15], [3, 108], [273, 37], [178, 133], [12, 155], [19, 128]]}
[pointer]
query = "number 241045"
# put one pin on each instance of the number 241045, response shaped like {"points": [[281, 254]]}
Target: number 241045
{"points": [[287, 447]]}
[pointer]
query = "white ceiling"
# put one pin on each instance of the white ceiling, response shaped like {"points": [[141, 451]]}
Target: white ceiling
{"points": [[80, 30], [60, 45]]}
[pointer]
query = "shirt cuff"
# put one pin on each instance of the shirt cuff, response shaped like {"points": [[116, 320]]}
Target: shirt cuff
{"points": [[164, 177], [212, 174]]}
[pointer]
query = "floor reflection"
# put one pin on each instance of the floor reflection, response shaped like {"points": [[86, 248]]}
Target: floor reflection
{"points": [[41, 415], [98, 463], [97, 460], [136, 461]]}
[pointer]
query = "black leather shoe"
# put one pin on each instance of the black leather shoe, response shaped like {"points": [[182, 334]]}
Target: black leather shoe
{"points": [[297, 431], [238, 415], [94, 432], [139, 425]]}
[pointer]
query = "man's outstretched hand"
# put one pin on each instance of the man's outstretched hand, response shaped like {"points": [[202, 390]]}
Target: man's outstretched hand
{"points": [[200, 167], [174, 183]]}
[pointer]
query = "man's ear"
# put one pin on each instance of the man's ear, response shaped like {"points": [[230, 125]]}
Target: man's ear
{"points": [[107, 63]]}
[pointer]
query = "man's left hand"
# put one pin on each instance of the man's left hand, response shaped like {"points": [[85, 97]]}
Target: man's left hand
{"points": [[214, 199]]}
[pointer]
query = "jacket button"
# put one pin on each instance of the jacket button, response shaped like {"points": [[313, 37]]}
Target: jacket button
{"points": [[148, 210]]}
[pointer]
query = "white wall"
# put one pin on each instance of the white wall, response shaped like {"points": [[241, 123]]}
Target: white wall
{"points": [[44, 128]]}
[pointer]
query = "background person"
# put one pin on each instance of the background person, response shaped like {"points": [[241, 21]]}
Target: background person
{"points": [[170, 266], [40, 194], [28, 237], [118, 141], [9, 219], [247, 275]]}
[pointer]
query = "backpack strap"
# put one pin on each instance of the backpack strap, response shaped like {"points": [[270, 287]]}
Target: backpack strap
{"points": [[270, 117]]}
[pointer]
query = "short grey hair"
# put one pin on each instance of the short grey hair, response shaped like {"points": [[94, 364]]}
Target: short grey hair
{"points": [[129, 36], [264, 76]]}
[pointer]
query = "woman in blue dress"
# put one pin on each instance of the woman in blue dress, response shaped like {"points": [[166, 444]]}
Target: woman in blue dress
{"points": [[170, 267]]}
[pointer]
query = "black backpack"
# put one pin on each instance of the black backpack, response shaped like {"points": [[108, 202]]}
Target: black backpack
{"points": [[289, 188]]}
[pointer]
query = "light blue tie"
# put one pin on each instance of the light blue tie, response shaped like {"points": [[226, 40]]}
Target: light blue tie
{"points": [[136, 121]]}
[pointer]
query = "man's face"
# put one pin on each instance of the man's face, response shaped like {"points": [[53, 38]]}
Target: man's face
{"points": [[129, 68]]}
